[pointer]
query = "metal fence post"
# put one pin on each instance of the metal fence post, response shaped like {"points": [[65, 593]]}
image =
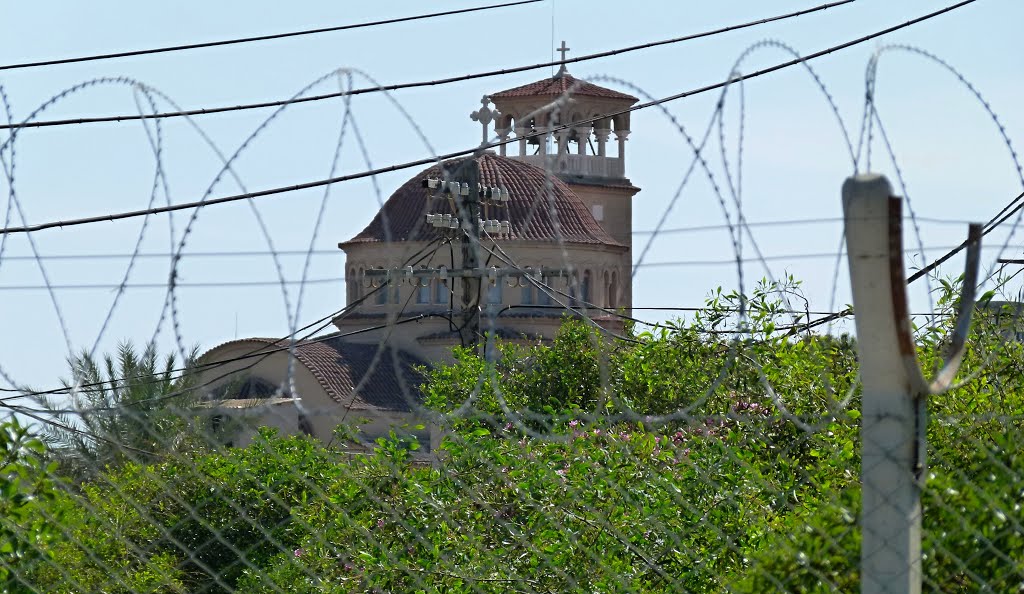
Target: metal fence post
{"points": [[891, 412]]}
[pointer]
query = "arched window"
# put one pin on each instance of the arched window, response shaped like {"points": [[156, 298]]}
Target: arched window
{"points": [[494, 293], [605, 288], [381, 296], [613, 291], [441, 293], [544, 296], [423, 292], [585, 292], [527, 296]]}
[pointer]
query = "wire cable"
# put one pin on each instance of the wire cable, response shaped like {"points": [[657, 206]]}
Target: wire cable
{"points": [[430, 83], [478, 149], [341, 279], [343, 312], [190, 46], [164, 285], [938, 261]]}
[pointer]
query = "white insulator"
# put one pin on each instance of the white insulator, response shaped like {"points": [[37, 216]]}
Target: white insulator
{"points": [[465, 189], [453, 224], [504, 195], [432, 183], [506, 228]]}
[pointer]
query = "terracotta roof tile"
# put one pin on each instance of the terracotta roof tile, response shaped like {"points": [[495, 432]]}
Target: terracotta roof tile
{"points": [[360, 376], [558, 85], [541, 208]]}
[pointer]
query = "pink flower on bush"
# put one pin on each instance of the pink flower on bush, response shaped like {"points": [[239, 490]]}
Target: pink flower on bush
{"points": [[299, 552]]}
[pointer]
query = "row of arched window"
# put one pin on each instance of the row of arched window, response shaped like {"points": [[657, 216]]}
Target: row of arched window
{"points": [[584, 290]]}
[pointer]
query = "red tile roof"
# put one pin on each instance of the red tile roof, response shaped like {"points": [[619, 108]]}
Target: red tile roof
{"points": [[360, 376], [542, 207], [558, 85]]}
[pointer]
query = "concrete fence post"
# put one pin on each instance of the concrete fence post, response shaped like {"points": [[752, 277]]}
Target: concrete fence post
{"points": [[891, 414]]}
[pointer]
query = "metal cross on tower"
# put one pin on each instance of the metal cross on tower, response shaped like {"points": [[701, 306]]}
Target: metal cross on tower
{"points": [[562, 50], [485, 116]]}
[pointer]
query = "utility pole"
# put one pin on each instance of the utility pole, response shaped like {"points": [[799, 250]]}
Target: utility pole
{"points": [[469, 206], [895, 393], [468, 172], [472, 211]]}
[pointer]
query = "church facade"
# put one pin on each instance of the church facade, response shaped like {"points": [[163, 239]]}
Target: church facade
{"points": [[569, 209]]}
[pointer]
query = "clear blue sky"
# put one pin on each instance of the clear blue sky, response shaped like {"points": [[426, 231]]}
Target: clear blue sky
{"points": [[953, 160]]}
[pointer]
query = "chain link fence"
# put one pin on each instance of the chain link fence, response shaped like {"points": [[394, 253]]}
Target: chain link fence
{"points": [[679, 460]]}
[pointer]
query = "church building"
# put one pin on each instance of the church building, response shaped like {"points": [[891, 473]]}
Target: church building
{"points": [[567, 225]]}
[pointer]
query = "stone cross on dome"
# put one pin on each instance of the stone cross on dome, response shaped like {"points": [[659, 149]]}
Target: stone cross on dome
{"points": [[562, 50], [485, 116]]}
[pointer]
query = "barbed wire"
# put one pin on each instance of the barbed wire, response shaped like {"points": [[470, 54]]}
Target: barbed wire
{"points": [[432, 83], [451, 155], [796, 423], [241, 40]]}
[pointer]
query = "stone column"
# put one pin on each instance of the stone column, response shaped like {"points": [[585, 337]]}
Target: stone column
{"points": [[562, 142], [621, 135], [602, 134], [521, 135], [582, 137], [503, 134]]}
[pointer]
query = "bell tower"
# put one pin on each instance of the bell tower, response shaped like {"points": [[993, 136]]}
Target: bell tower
{"points": [[590, 157]]}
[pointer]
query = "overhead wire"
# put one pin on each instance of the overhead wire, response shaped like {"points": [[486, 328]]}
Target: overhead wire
{"points": [[341, 279], [239, 40], [430, 83], [993, 224], [348, 309], [427, 161], [259, 253]]}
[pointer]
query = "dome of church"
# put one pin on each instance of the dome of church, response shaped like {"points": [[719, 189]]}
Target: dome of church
{"points": [[541, 207]]}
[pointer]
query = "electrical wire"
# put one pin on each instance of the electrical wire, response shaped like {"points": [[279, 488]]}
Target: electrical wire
{"points": [[260, 253], [993, 224], [348, 309], [430, 83], [478, 149], [341, 279], [177, 285], [190, 46]]}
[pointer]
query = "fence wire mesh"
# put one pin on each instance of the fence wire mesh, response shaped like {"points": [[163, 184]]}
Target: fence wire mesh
{"points": [[578, 448], [653, 470]]}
